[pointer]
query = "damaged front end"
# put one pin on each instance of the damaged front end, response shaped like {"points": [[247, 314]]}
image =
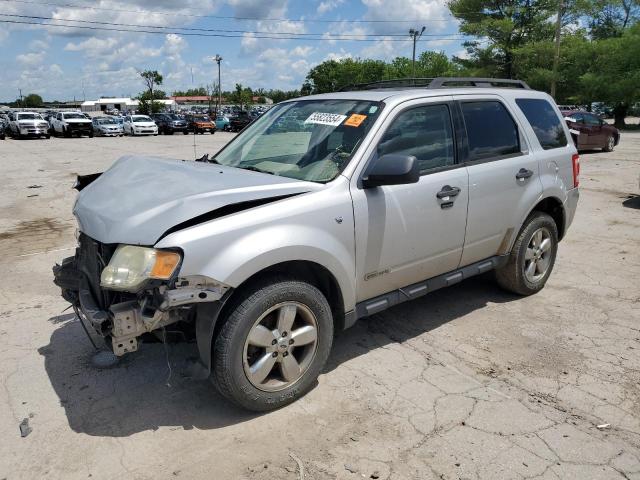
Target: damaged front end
{"points": [[122, 306]]}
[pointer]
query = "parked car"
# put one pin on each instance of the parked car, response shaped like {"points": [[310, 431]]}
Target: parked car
{"points": [[287, 236], [200, 124], [589, 131], [107, 127], [71, 123], [2, 130], [169, 123], [601, 109], [222, 123], [238, 121], [139, 125], [27, 124]]}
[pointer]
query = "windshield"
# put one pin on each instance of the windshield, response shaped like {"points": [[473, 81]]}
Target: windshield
{"points": [[74, 115], [175, 116], [201, 118], [141, 118], [29, 116], [106, 121], [307, 140]]}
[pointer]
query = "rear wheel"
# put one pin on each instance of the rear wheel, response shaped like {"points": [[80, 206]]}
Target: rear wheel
{"points": [[532, 257], [272, 347], [609, 144]]}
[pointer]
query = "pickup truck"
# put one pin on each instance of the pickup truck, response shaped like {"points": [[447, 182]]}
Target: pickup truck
{"points": [[27, 124], [71, 123]]}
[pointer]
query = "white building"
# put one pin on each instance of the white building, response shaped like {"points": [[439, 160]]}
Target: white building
{"points": [[121, 104]]}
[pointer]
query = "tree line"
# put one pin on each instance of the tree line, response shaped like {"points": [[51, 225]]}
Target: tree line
{"points": [[599, 56]]}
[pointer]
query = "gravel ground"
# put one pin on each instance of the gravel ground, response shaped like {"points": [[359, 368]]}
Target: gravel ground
{"points": [[466, 383]]}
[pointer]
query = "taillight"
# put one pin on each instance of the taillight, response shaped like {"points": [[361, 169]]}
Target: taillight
{"points": [[575, 162]]}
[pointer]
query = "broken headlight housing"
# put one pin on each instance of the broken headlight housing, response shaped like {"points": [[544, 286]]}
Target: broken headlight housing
{"points": [[131, 266]]}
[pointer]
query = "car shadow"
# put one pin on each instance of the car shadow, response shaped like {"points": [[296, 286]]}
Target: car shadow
{"points": [[158, 387], [632, 201]]}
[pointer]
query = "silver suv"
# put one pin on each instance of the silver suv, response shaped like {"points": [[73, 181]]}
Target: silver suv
{"points": [[326, 209]]}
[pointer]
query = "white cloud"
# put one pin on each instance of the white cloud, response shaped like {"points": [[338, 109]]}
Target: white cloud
{"points": [[92, 46], [342, 54], [38, 45], [301, 51], [430, 10], [328, 5], [30, 59]]}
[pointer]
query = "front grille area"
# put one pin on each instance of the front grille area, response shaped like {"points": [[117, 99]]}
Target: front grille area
{"points": [[91, 258]]}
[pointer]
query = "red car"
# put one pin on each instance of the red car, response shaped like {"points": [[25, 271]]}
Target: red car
{"points": [[590, 131]]}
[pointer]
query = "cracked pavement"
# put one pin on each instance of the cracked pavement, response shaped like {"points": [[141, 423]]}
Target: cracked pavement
{"points": [[469, 382]]}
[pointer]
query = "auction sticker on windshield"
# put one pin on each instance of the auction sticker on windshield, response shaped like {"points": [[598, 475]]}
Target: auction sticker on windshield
{"points": [[332, 119], [355, 120]]}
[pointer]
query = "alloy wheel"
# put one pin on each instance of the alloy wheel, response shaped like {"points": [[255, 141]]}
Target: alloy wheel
{"points": [[280, 346], [538, 255]]}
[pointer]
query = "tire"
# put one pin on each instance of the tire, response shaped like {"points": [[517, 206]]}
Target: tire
{"points": [[514, 276], [66, 132], [171, 132], [185, 132], [47, 136], [90, 134], [609, 144], [234, 355]]}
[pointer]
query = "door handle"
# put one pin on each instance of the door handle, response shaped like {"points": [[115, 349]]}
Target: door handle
{"points": [[448, 191], [523, 173]]}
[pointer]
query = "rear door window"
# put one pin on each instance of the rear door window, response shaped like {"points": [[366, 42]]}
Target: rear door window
{"points": [[491, 131], [544, 121]]}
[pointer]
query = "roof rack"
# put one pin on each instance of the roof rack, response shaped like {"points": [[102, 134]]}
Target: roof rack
{"points": [[438, 82]]}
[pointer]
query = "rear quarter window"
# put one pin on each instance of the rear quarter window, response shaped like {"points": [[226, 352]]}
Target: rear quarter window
{"points": [[544, 121]]}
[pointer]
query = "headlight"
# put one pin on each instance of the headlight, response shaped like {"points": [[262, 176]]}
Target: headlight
{"points": [[131, 266]]}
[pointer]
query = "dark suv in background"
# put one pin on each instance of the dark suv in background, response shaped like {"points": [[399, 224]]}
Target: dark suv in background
{"points": [[590, 131], [170, 123]]}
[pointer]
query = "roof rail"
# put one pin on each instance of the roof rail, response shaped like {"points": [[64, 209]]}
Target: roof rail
{"points": [[438, 82]]}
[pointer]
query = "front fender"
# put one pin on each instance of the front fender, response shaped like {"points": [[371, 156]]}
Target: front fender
{"points": [[315, 227]]}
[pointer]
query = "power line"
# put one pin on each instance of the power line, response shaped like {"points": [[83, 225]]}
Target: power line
{"points": [[328, 38], [134, 25], [220, 17]]}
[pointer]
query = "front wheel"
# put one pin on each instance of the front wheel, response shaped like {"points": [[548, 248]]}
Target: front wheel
{"points": [[532, 257], [273, 345], [609, 144]]}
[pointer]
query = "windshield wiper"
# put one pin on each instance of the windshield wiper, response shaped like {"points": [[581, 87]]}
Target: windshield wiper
{"points": [[253, 168]]}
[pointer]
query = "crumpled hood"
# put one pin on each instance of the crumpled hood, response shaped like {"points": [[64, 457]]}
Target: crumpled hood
{"points": [[139, 198]]}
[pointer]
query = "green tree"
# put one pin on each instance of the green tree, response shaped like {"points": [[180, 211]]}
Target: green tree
{"points": [[608, 18], [242, 96], [332, 75], [428, 64], [614, 73], [32, 100], [532, 63], [192, 92], [151, 79], [501, 27]]}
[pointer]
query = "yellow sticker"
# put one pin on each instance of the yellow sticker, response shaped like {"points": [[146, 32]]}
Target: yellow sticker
{"points": [[355, 120]]}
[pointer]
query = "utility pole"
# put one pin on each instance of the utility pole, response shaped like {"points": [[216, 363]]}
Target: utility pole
{"points": [[20, 91], [218, 59], [415, 35], [556, 58]]}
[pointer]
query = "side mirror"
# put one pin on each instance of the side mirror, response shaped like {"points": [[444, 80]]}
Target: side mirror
{"points": [[392, 169]]}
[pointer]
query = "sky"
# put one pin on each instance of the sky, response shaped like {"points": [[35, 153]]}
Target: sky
{"points": [[63, 63]]}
